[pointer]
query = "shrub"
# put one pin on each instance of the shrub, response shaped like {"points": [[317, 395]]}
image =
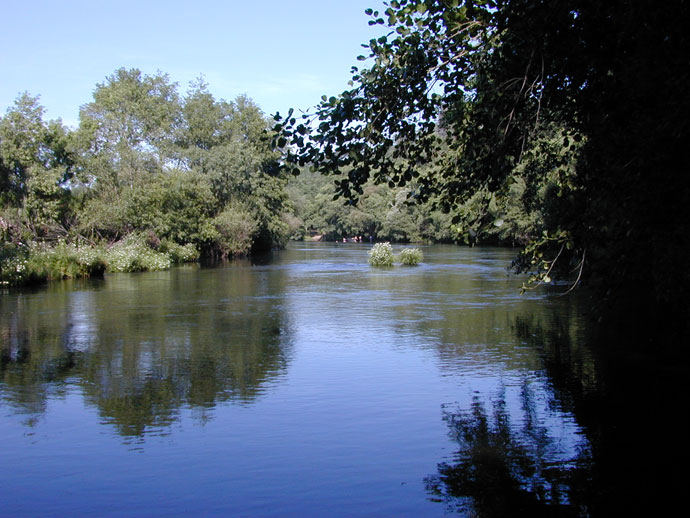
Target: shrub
{"points": [[411, 256], [179, 253], [132, 254], [25, 265], [236, 229], [14, 264], [381, 254], [174, 205], [68, 261]]}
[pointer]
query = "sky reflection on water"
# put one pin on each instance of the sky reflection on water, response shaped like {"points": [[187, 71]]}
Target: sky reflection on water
{"points": [[310, 384]]}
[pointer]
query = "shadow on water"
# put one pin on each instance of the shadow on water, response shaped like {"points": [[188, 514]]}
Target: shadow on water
{"points": [[548, 419], [502, 470], [630, 409], [142, 347]]}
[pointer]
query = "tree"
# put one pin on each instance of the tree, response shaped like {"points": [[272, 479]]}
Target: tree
{"points": [[175, 205], [35, 164], [181, 175], [130, 124], [202, 118], [22, 146], [478, 87], [229, 143]]}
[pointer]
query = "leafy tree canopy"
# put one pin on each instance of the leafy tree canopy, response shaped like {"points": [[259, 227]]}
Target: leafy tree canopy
{"points": [[581, 101], [181, 171]]}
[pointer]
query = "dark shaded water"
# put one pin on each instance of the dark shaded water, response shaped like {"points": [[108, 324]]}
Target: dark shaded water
{"points": [[312, 384]]}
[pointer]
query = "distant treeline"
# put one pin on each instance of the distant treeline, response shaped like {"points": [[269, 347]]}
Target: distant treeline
{"points": [[151, 177], [384, 213]]}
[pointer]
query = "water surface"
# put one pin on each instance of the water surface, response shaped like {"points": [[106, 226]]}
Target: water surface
{"points": [[308, 383]]}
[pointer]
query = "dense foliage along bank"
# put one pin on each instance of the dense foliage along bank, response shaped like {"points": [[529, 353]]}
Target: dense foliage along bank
{"points": [[383, 213], [38, 262], [180, 172], [151, 178], [567, 117]]}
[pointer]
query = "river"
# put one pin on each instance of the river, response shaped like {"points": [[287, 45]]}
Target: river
{"points": [[309, 383]]}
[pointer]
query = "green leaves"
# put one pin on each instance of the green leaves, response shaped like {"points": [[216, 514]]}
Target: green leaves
{"points": [[144, 160], [381, 255], [388, 114], [36, 160]]}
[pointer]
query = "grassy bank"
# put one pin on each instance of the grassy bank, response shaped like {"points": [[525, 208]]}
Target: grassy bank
{"points": [[24, 264]]}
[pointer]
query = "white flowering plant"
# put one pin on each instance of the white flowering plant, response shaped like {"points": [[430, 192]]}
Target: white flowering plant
{"points": [[132, 254], [381, 254]]}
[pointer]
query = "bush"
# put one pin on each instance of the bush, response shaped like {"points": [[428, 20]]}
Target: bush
{"points": [[14, 264], [132, 254], [236, 230], [174, 205], [179, 253], [68, 261], [381, 254], [411, 256], [21, 265]]}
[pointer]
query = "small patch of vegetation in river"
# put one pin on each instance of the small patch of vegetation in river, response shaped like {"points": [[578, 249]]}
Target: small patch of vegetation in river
{"points": [[382, 255]]}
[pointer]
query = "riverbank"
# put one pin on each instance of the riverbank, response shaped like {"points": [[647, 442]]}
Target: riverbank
{"points": [[24, 264]]}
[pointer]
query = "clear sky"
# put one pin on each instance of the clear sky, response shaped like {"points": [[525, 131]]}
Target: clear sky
{"points": [[280, 53]]}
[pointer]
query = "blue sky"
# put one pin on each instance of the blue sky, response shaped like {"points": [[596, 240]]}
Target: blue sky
{"points": [[282, 54]]}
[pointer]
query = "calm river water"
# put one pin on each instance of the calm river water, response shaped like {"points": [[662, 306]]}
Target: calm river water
{"points": [[312, 384]]}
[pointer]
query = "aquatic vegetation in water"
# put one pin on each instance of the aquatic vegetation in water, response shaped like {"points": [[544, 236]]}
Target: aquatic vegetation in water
{"points": [[69, 260], [381, 254], [22, 264], [410, 256]]}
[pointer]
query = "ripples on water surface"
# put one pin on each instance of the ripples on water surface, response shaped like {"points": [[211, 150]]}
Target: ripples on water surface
{"points": [[309, 384]]}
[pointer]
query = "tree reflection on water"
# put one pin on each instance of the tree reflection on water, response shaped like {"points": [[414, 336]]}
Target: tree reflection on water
{"points": [[630, 461], [140, 354], [505, 470]]}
